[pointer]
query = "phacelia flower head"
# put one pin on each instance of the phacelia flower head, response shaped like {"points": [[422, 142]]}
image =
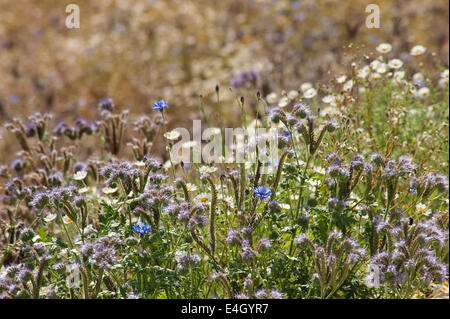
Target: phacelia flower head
{"points": [[141, 228], [262, 192], [106, 104], [160, 105]]}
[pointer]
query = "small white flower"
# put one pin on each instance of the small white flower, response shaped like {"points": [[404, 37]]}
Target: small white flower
{"points": [[418, 50], [384, 48], [172, 135], [203, 198], [283, 102], [329, 110], [80, 175], [375, 64], [49, 217], [363, 72], [443, 83], [254, 124], [292, 94], [167, 165], [313, 182], [423, 93], [305, 86], [328, 98], [109, 190], [341, 79], [207, 169], [445, 75], [374, 77], [191, 187], [83, 190], [418, 77], [337, 100], [285, 206], [320, 170], [399, 75], [422, 208], [310, 93], [272, 98], [67, 220], [348, 85], [395, 63]]}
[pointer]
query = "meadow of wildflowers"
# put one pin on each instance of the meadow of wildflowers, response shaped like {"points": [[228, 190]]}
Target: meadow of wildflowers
{"points": [[353, 205]]}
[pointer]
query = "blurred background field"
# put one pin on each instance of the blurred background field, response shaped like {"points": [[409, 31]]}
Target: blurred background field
{"points": [[140, 51]]}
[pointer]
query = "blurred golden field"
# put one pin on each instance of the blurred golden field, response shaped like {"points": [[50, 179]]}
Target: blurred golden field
{"points": [[143, 50]]}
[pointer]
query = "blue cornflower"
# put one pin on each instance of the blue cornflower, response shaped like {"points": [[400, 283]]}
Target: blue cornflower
{"points": [[160, 105], [262, 192], [286, 134], [141, 228]]}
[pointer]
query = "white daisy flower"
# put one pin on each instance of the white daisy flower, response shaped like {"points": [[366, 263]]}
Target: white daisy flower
{"points": [[384, 48], [292, 94], [207, 169], [395, 63], [167, 165], [283, 102], [337, 100], [80, 175], [341, 79], [445, 75], [203, 198], [83, 190], [348, 85], [374, 77], [191, 187], [50, 217], [320, 170], [418, 77], [313, 182], [172, 135], [306, 86], [310, 93], [362, 73], [272, 98], [418, 50], [375, 64], [422, 208], [254, 124], [109, 190], [328, 98], [443, 83], [423, 93], [399, 75], [67, 220], [329, 110]]}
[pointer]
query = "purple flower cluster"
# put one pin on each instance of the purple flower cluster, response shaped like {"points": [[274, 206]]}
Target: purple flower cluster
{"points": [[103, 252], [245, 78], [413, 253]]}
